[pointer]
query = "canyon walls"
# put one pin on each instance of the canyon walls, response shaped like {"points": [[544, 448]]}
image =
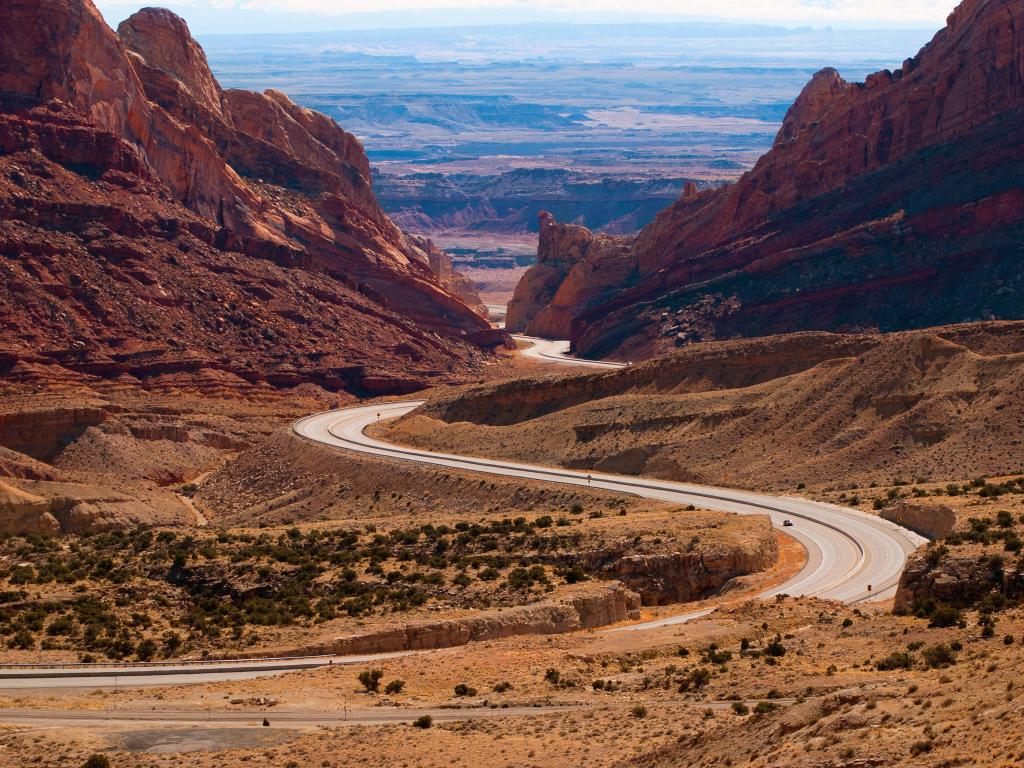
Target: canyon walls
{"points": [[151, 221], [889, 204]]}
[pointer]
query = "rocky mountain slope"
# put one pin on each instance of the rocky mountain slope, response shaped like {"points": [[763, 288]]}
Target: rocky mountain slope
{"points": [[889, 204], [152, 222], [768, 413]]}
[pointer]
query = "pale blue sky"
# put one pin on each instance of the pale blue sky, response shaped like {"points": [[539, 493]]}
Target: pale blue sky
{"points": [[210, 16]]}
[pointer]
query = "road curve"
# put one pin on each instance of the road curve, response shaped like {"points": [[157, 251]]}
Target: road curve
{"points": [[557, 353], [848, 550]]}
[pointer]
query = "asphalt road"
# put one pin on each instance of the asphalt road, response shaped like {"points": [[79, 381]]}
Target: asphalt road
{"points": [[28, 678], [847, 550], [277, 717], [557, 353]]}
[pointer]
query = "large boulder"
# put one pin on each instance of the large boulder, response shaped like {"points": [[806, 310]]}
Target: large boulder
{"points": [[22, 513]]}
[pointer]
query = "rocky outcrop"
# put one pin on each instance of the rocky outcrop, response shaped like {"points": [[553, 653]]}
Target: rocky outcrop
{"points": [[42, 432], [575, 269], [592, 607], [154, 223], [889, 204], [163, 41], [681, 577], [457, 283], [22, 513], [956, 578], [934, 521], [52, 508]]}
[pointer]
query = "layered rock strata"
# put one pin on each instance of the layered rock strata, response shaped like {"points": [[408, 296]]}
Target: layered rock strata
{"points": [[884, 205], [152, 222]]}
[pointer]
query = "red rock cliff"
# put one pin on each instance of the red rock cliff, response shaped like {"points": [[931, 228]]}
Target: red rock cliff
{"points": [[893, 203], [143, 207]]}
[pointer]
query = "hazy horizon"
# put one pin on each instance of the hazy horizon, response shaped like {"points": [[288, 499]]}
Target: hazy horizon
{"points": [[209, 17]]}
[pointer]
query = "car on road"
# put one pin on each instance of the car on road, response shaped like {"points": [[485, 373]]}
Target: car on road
{"points": [[787, 523]]}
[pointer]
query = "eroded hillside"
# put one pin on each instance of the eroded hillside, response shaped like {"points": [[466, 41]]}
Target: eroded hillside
{"points": [[152, 222], [814, 409]]}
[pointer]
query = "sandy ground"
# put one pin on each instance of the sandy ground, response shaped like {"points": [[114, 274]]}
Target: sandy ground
{"points": [[829, 694]]}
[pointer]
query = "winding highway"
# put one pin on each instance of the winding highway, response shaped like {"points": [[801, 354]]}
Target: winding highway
{"points": [[557, 353], [851, 556]]}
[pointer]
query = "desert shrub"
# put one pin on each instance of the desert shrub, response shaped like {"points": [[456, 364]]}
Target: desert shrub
{"points": [[172, 642], [920, 748], [573, 575], [464, 690], [96, 760], [764, 707], [146, 649], [23, 640], [503, 687], [712, 655], [775, 648], [370, 679], [424, 721], [639, 712], [395, 686], [943, 615], [64, 625], [895, 660], [524, 578], [934, 554], [939, 656], [740, 708], [697, 679], [553, 676], [490, 573]]}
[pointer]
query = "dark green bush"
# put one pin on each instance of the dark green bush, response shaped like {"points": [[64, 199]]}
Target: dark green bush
{"points": [[370, 679]]}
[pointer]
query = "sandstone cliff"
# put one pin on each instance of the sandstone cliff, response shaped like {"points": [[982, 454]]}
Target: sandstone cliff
{"points": [[960, 579], [592, 607], [155, 222], [934, 521], [575, 269], [889, 204]]}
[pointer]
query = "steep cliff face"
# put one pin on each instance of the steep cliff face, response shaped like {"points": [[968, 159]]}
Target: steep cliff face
{"points": [[889, 204], [147, 212], [576, 269]]}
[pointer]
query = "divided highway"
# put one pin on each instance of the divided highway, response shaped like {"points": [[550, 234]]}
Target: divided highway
{"points": [[851, 556], [557, 353]]}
